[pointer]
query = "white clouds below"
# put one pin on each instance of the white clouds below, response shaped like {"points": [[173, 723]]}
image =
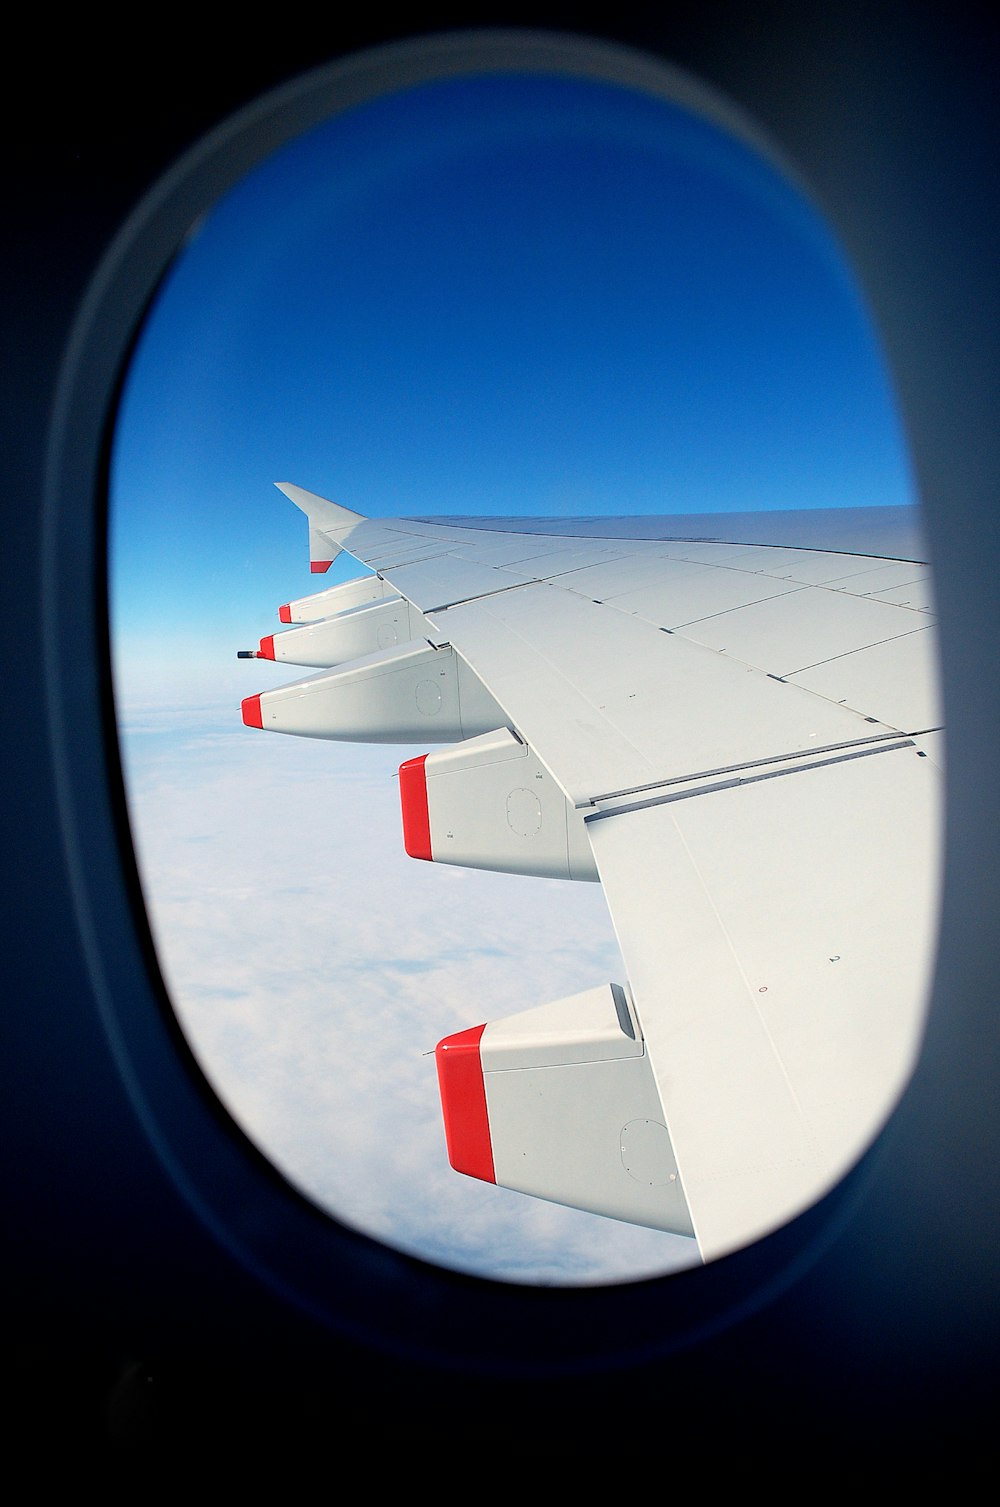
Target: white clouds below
{"points": [[313, 967]]}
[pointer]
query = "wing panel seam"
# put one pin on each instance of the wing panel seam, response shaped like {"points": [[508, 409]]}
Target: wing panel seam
{"points": [[754, 779], [707, 774]]}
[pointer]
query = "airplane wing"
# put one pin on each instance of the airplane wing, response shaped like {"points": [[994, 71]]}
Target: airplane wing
{"points": [[732, 722]]}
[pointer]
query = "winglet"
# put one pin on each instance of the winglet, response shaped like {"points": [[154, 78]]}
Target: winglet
{"points": [[325, 518]]}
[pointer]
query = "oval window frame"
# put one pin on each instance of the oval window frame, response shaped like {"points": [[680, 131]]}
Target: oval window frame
{"points": [[349, 1281]]}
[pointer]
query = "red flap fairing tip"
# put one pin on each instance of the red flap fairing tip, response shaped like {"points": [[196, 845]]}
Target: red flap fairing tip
{"points": [[250, 707]]}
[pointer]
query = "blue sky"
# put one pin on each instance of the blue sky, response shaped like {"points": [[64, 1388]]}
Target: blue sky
{"points": [[506, 295]]}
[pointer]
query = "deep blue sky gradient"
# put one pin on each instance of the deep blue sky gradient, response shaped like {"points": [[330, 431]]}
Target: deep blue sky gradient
{"points": [[500, 295]]}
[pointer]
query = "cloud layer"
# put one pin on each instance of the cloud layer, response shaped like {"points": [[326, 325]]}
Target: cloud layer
{"points": [[313, 967]]}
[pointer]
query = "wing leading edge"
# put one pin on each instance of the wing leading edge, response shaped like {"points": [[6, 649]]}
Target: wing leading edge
{"points": [[740, 737]]}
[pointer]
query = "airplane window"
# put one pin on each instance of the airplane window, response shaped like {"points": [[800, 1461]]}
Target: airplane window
{"points": [[517, 295]]}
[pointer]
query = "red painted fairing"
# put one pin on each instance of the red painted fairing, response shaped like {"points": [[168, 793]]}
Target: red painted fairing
{"points": [[250, 707], [463, 1104], [413, 802]]}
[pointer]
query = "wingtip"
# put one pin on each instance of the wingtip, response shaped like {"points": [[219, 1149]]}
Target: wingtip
{"points": [[321, 512]]}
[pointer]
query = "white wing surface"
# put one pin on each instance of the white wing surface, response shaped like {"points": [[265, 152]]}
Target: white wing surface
{"points": [[733, 722]]}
